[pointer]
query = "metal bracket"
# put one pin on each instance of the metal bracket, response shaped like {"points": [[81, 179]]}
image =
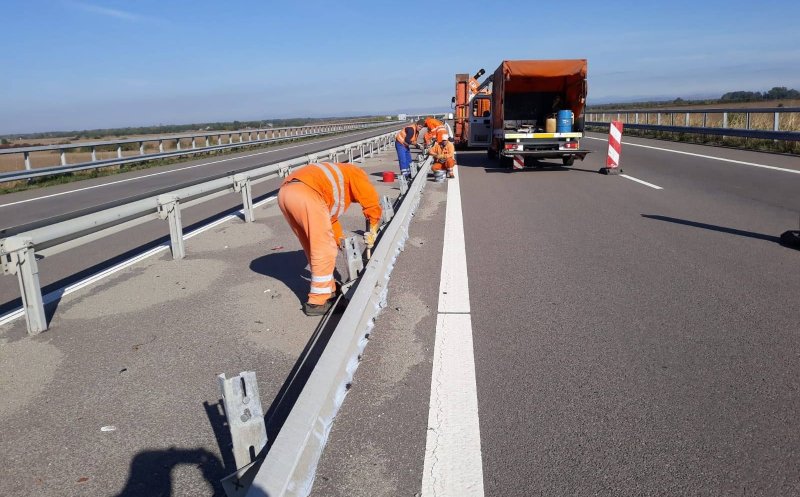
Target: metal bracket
{"points": [[284, 171], [241, 183], [169, 208], [245, 416], [19, 257], [355, 262], [414, 169], [312, 158], [387, 209]]}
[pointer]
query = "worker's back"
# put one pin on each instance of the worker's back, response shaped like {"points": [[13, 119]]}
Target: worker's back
{"points": [[339, 184]]}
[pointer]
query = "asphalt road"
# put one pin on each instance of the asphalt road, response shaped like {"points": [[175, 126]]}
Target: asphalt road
{"points": [[628, 340], [64, 268]]}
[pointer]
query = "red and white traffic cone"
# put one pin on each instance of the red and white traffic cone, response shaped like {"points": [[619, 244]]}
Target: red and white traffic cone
{"points": [[614, 149]]}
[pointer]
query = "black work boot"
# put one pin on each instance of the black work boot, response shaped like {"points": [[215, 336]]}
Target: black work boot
{"points": [[317, 309]]}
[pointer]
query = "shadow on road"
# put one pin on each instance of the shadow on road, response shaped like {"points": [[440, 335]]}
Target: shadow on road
{"points": [[287, 268], [151, 471], [713, 227]]}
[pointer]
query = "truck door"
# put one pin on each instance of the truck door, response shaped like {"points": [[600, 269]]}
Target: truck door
{"points": [[480, 121]]}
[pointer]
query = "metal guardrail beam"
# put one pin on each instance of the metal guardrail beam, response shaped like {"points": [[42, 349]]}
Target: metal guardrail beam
{"points": [[712, 110], [19, 252], [289, 134], [732, 132], [288, 469]]}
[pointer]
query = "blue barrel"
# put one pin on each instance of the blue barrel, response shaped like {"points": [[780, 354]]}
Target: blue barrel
{"points": [[564, 121]]}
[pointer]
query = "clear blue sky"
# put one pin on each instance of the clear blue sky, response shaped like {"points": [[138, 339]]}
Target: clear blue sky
{"points": [[75, 64]]}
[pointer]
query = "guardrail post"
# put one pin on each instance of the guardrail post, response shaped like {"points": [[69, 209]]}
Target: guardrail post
{"points": [[194, 143], [350, 155], [705, 118], [387, 209], [63, 157], [161, 146], [241, 183], [352, 252], [686, 121], [94, 153], [403, 184], [169, 208], [119, 151], [178, 144], [361, 153], [27, 157], [245, 416], [18, 257]]}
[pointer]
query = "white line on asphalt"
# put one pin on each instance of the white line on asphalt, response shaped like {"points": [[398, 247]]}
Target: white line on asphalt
{"points": [[160, 173], [61, 292], [753, 164], [651, 185], [453, 464]]}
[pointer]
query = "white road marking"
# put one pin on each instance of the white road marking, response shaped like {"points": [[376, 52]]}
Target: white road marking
{"points": [[651, 185], [60, 292], [753, 164], [453, 465], [161, 172]]}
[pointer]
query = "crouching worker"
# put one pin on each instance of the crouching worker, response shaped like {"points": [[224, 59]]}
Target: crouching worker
{"points": [[312, 199], [444, 157], [404, 140]]}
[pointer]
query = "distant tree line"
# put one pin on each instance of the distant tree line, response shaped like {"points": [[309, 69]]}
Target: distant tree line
{"points": [[162, 129], [776, 93]]}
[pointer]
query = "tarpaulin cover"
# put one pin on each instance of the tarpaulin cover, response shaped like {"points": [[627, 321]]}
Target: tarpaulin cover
{"points": [[522, 76]]}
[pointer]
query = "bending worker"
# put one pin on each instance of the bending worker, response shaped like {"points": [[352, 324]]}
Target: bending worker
{"points": [[444, 156], [436, 131], [402, 143], [312, 200]]}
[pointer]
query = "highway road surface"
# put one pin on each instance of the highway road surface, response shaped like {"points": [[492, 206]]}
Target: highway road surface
{"points": [[629, 338], [551, 331]]}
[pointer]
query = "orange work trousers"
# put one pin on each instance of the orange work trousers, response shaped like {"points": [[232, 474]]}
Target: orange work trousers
{"points": [[448, 164], [310, 218]]}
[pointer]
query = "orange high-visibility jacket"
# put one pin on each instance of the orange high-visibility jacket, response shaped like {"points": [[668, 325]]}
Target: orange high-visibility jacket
{"points": [[340, 184], [432, 123], [435, 129], [406, 139], [449, 150]]}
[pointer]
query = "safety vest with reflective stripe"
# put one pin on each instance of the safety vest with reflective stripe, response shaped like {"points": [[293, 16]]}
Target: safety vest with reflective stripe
{"points": [[336, 180], [402, 136]]}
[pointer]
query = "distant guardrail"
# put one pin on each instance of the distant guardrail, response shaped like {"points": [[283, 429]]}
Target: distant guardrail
{"points": [[767, 123], [22, 246], [224, 140]]}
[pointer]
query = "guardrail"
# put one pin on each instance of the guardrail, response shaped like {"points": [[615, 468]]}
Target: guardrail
{"points": [[289, 466], [20, 251], [767, 123], [270, 135]]}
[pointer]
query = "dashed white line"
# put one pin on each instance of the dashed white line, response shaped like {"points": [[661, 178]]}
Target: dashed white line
{"points": [[160, 173], [61, 292], [453, 464], [744, 163], [651, 185]]}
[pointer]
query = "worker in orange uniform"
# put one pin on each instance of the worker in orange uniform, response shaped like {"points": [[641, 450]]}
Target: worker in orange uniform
{"points": [[404, 140], [444, 157], [436, 131], [312, 199]]}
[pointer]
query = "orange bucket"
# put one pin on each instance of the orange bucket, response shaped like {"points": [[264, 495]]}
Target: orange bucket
{"points": [[388, 177]]}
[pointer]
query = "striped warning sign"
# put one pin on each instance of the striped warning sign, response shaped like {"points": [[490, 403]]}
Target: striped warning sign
{"points": [[614, 144], [519, 162]]}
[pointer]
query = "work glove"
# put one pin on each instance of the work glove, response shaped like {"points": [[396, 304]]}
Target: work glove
{"points": [[370, 236]]}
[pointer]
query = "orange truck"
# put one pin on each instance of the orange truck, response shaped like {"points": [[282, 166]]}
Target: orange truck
{"points": [[537, 110], [472, 112]]}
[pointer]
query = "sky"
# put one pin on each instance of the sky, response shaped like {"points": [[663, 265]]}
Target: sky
{"points": [[81, 64]]}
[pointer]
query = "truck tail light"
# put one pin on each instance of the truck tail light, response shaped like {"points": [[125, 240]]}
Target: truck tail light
{"points": [[511, 146], [570, 145]]}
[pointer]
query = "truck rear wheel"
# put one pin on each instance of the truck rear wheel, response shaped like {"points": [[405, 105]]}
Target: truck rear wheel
{"points": [[506, 162], [569, 160], [491, 153]]}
